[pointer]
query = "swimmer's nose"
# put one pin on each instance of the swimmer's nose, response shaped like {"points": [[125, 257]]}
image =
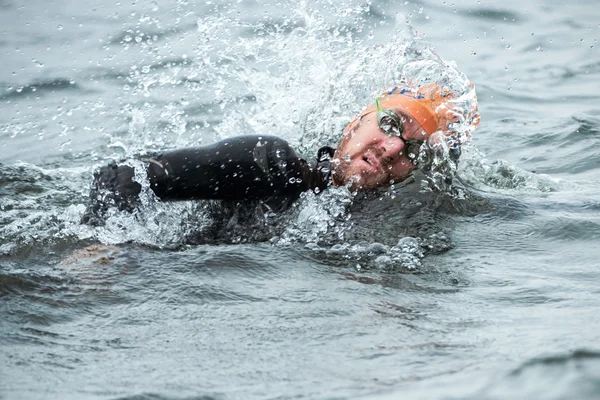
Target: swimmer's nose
{"points": [[392, 148]]}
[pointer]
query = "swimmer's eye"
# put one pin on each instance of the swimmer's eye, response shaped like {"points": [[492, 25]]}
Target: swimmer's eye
{"points": [[390, 124]]}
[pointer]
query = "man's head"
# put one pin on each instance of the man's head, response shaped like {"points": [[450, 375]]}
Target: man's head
{"points": [[380, 146]]}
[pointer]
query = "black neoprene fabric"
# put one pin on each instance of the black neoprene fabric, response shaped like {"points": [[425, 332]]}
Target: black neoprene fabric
{"points": [[237, 169]]}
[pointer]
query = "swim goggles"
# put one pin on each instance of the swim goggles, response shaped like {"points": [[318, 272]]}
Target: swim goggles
{"points": [[391, 124]]}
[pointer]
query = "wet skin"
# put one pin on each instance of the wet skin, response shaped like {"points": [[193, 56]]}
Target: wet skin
{"points": [[367, 157]]}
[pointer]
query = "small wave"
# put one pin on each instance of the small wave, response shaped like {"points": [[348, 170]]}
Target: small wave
{"points": [[571, 228], [41, 88], [17, 283], [577, 138], [502, 176], [505, 16], [174, 62], [591, 68], [37, 206], [572, 375], [104, 73], [134, 36], [155, 396]]}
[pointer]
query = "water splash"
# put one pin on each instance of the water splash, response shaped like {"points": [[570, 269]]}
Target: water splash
{"points": [[404, 256], [301, 76], [502, 176], [318, 218]]}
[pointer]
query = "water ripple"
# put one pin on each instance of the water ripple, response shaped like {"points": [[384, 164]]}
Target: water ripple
{"points": [[135, 36], [41, 88], [506, 16], [154, 396], [564, 376]]}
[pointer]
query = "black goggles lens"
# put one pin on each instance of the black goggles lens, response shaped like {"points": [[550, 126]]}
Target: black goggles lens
{"points": [[390, 123]]}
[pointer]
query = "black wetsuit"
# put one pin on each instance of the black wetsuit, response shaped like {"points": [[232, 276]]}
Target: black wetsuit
{"points": [[238, 169]]}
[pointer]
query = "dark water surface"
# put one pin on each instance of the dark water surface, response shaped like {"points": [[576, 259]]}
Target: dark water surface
{"points": [[416, 295]]}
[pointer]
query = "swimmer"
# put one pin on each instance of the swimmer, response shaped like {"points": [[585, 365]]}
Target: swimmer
{"points": [[377, 148]]}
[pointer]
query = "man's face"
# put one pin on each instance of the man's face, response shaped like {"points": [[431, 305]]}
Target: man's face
{"points": [[367, 158]]}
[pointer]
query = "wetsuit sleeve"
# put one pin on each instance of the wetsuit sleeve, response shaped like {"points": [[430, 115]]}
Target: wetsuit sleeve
{"points": [[241, 168]]}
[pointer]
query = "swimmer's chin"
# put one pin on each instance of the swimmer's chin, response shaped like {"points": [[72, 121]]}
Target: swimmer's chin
{"points": [[356, 183]]}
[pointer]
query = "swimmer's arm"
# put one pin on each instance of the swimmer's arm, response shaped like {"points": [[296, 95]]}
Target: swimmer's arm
{"points": [[241, 168]]}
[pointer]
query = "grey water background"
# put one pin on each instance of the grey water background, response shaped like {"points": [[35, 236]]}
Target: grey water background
{"points": [[415, 295]]}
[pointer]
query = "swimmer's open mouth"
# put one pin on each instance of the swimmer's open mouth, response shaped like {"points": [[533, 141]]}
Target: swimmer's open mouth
{"points": [[372, 162]]}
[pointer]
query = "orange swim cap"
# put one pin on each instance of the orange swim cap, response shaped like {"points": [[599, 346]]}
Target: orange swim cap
{"points": [[428, 105]]}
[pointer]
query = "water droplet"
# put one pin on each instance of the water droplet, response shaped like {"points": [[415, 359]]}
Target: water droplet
{"points": [[473, 53], [538, 48], [506, 67], [507, 47], [509, 87], [347, 158], [59, 27]]}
